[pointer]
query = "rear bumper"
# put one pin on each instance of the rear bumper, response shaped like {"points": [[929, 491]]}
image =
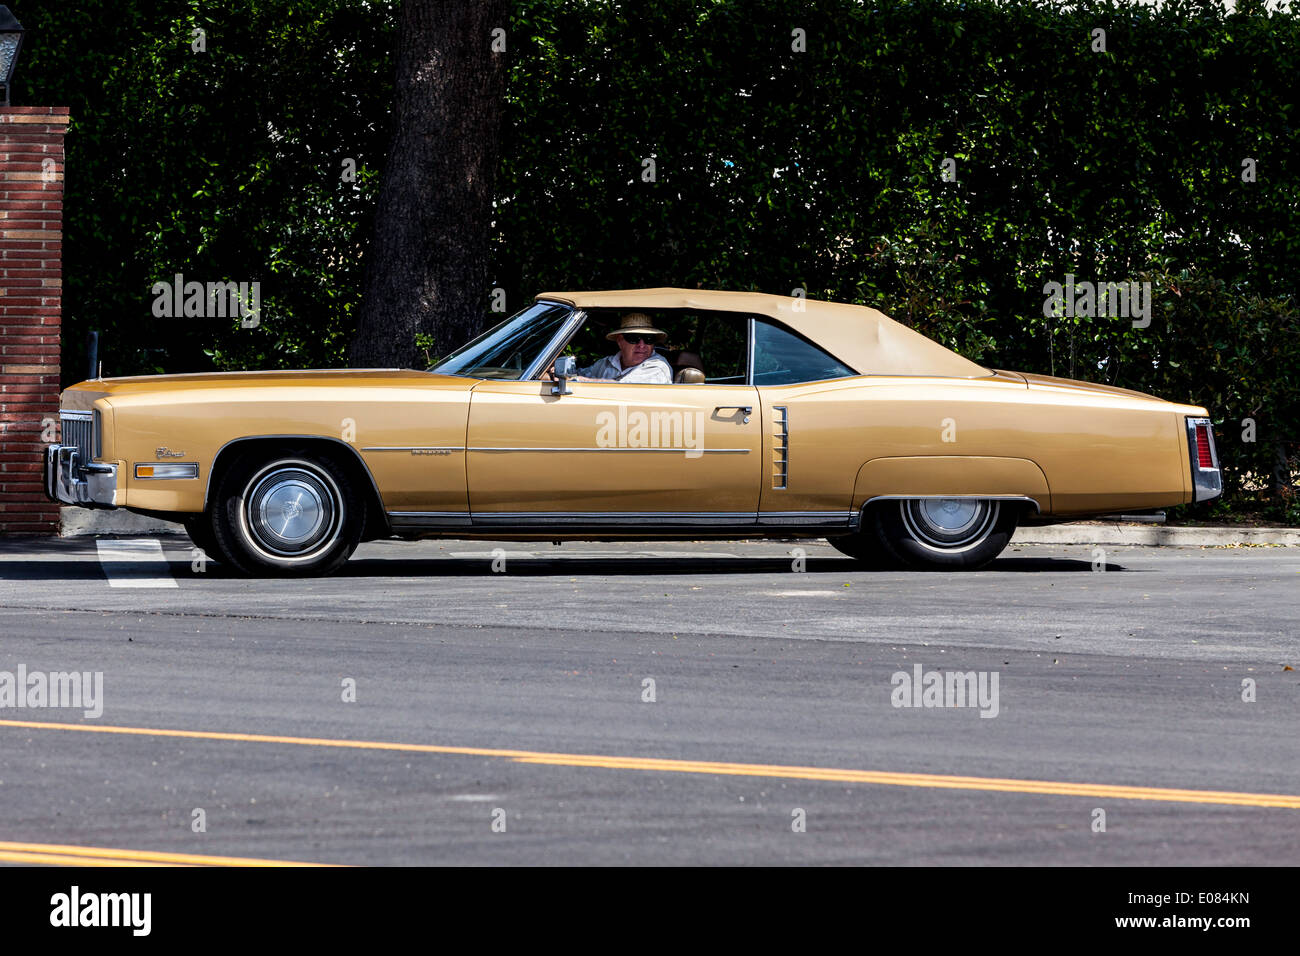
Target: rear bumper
{"points": [[70, 481]]}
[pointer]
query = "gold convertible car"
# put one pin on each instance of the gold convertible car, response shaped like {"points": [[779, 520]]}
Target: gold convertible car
{"points": [[784, 417]]}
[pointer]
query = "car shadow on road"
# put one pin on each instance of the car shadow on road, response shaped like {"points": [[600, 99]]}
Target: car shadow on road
{"points": [[633, 566], [488, 566]]}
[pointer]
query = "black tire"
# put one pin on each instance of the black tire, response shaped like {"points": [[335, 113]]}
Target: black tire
{"points": [[944, 534], [199, 528], [295, 513], [864, 548]]}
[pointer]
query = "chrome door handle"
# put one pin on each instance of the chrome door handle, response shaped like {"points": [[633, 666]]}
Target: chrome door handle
{"points": [[746, 410]]}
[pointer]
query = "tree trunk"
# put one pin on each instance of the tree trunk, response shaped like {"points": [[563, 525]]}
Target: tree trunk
{"points": [[427, 268]]}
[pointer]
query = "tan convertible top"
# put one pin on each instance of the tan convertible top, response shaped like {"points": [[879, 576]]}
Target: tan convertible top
{"points": [[868, 341]]}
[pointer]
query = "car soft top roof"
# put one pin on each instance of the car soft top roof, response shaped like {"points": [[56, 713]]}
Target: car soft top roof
{"points": [[866, 340]]}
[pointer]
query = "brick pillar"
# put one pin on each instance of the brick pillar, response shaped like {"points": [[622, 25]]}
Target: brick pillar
{"points": [[31, 261]]}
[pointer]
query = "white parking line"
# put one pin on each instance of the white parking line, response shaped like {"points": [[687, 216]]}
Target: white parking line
{"points": [[800, 593], [498, 553], [135, 563]]}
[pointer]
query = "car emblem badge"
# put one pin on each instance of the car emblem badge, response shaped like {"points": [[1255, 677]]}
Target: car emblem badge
{"points": [[165, 452]]}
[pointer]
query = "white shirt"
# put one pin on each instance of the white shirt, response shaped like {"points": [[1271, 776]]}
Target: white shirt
{"points": [[655, 370]]}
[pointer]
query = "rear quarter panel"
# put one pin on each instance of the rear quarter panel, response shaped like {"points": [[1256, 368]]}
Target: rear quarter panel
{"points": [[1073, 448]]}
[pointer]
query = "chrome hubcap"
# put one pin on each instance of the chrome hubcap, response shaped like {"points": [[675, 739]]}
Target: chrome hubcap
{"points": [[949, 524], [292, 511]]}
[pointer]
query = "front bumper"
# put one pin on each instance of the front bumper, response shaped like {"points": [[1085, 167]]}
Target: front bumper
{"points": [[73, 482]]}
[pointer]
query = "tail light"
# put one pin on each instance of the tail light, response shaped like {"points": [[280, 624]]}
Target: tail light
{"points": [[1207, 481], [1204, 456]]}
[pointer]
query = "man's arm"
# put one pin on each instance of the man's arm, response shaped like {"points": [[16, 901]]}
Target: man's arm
{"points": [[584, 374], [653, 371]]}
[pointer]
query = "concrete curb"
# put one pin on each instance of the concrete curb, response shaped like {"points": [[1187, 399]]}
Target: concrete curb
{"points": [[74, 521], [1148, 535]]}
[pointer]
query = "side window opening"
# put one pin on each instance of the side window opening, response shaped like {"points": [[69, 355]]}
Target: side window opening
{"points": [[714, 343], [783, 358]]}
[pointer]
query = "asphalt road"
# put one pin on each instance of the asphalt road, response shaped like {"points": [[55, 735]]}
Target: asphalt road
{"points": [[510, 683]]}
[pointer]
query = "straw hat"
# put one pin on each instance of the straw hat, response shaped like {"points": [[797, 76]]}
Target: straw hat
{"points": [[637, 322]]}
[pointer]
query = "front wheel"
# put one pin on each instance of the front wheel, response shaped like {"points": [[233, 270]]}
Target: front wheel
{"points": [[199, 528], [945, 534], [287, 515]]}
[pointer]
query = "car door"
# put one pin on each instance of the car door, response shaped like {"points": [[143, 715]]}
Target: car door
{"points": [[813, 430], [611, 454]]}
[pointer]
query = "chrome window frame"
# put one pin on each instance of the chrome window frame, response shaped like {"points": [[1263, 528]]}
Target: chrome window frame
{"points": [[749, 358], [558, 342]]}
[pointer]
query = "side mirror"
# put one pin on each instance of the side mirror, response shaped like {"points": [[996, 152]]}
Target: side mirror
{"points": [[565, 366]]}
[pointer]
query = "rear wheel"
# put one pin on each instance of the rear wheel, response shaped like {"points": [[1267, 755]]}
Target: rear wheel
{"points": [[945, 534], [864, 547], [295, 514]]}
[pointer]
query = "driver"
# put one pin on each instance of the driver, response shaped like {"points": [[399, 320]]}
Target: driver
{"points": [[636, 361]]}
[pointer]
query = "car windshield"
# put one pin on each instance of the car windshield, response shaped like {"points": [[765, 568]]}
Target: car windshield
{"points": [[507, 351]]}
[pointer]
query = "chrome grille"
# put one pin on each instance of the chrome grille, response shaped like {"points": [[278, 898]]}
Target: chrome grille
{"points": [[79, 430]]}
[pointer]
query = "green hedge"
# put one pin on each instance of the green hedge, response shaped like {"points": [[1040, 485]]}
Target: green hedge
{"points": [[775, 169], [824, 170]]}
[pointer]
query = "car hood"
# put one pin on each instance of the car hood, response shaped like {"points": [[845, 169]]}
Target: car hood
{"points": [[84, 394]]}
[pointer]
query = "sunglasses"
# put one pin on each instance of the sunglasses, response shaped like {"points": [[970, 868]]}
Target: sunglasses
{"points": [[638, 339]]}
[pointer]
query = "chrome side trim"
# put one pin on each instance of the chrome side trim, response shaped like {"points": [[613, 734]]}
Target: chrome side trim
{"points": [[418, 449], [806, 518], [631, 522], [409, 520], [677, 451], [617, 518], [781, 447]]}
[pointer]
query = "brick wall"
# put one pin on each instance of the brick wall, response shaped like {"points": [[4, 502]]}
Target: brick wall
{"points": [[31, 256]]}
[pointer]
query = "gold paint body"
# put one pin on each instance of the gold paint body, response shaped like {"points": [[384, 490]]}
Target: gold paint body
{"points": [[446, 444]]}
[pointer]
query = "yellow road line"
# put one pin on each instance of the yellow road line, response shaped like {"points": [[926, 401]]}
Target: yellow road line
{"points": [[144, 857], [63, 859], [828, 774]]}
